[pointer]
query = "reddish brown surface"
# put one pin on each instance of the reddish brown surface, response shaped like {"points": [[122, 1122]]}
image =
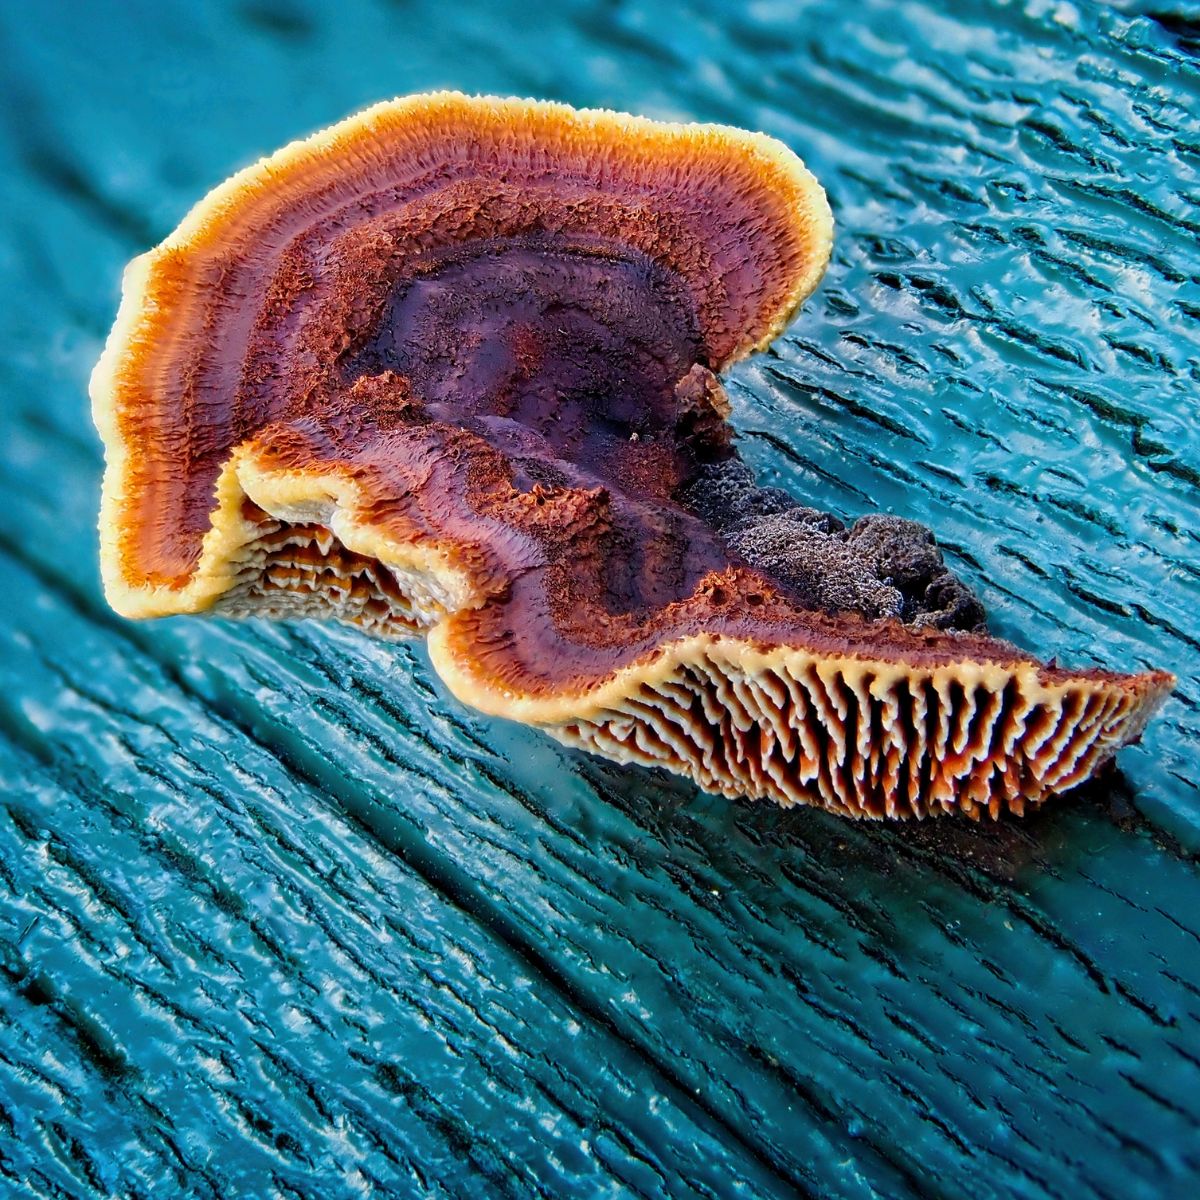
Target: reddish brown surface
{"points": [[262, 316], [504, 334], [535, 404]]}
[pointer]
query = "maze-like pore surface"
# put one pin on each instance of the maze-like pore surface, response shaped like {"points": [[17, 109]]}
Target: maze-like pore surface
{"points": [[866, 739]]}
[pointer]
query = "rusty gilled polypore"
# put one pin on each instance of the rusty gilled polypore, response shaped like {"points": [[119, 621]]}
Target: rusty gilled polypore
{"points": [[448, 368]]}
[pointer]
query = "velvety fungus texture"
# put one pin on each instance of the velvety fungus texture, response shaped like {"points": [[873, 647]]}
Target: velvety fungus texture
{"points": [[451, 368]]}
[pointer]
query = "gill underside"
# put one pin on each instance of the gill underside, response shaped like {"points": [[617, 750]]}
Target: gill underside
{"points": [[293, 571], [866, 740]]}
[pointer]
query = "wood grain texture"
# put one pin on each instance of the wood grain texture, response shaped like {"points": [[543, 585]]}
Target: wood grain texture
{"points": [[278, 918]]}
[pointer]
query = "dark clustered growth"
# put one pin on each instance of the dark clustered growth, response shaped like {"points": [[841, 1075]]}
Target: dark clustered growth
{"points": [[881, 566]]}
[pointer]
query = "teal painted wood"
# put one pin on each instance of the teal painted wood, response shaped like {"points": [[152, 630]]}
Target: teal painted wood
{"points": [[279, 918]]}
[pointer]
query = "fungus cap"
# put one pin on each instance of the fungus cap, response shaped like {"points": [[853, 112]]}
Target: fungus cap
{"points": [[449, 367]]}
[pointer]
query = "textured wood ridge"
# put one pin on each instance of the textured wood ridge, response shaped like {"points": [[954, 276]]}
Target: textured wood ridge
{"points": [[278, 918]]}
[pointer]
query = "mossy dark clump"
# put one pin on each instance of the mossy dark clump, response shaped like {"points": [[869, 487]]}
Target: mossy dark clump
{"points": [[882, 566]]}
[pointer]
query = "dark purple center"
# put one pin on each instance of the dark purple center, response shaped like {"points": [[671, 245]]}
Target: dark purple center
{"points": [[580, 343]]}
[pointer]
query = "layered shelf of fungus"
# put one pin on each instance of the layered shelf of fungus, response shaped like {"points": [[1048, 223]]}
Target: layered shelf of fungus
{"points": [[451, 368]]}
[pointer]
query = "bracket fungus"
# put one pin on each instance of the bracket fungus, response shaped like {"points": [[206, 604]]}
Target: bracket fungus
{"points": [[451, 368]]}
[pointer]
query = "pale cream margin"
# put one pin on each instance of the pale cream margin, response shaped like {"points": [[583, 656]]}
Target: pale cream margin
{"points": [[742, 657], [141, 319]]}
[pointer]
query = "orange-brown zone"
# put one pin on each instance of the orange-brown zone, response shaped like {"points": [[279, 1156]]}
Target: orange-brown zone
{"points": [[263, 325], [508, 345]]}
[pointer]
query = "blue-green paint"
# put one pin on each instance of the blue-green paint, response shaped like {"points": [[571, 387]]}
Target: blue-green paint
{"points": [[277, 917]]}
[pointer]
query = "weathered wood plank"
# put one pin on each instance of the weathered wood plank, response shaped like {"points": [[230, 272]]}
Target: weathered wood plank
{"points": [[327, 978], [281, 918]]}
